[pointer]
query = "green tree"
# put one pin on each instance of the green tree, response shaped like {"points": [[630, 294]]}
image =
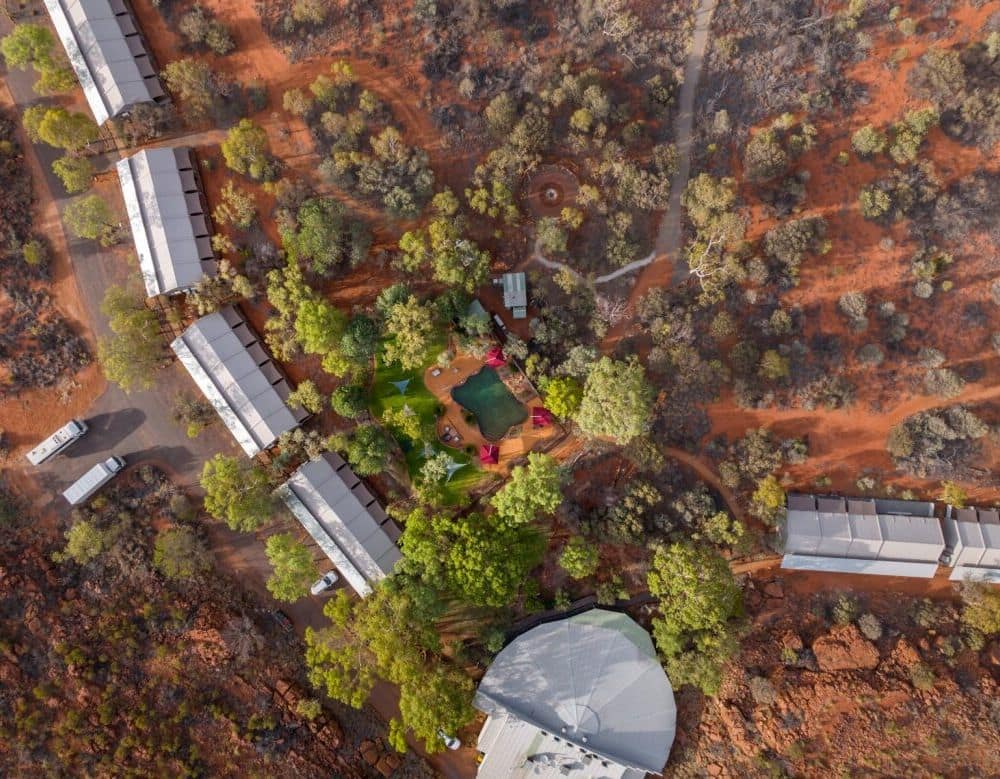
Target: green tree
{"points": [[134, 351], [307, 396], [617, 400], [319, 325], [293, 569], [246, 151], [60, 128], [981, 608], [368, 450], [764, 158], [237, 492], [85, 542], [874, 202], [411, 330], [440, 703], [192, 82], [552, 238], [532, 490], [75, 173], [238, 206], [562, 396], [579, 558], [952, 493], [768, 501], [90, 217], [324, 237], [700, 604], [178, 553], [773, 366], [30, 45], [868, 141], [349, 400]]}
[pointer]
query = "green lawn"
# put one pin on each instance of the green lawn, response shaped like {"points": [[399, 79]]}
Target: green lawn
{"points": [[385, 395]]}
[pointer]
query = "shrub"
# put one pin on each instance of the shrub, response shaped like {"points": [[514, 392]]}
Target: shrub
{"points": [[245, 150], [179, 554], [844, 610], [870, 626], [75, 173], [874, 202], [202, 29], [943, 382], [922, 677], [579, 558], [868, 141]]}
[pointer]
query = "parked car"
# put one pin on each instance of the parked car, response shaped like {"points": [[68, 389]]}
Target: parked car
{"points": [[282, 619], [449, 741], [324, 583]]}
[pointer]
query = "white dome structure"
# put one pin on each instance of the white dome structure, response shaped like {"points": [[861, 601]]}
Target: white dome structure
{"points": [[584, 696]]}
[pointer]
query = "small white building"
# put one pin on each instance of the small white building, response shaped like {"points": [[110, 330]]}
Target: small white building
{"points": [[169, 219], [229, 365], [583, 696], [107, 53]]}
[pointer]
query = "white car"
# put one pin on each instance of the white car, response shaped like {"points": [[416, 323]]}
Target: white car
{"points": [[324, 583], [449, 741]]}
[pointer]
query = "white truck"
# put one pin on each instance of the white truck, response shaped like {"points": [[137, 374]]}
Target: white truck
{"points": [[92, 480], [58, 441]]}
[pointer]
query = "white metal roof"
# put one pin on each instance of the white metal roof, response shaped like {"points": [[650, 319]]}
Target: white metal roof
{"points": [[593, 681], [223, 357], [168, 219], [835, 527], [972, 573], [349, 517], [107, 53]]}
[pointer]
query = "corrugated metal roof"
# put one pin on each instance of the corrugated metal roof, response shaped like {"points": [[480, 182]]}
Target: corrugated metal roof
{"points": [[515, 290], [215, 352], [106, 52], [348, 515], [854, 565], [852, 528], [587, 680], [168, 219]]}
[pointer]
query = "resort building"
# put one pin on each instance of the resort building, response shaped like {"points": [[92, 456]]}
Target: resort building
{"points": [[169, 219], [862, 535], [584, 696], [973, 544], [515, 294], [229, 365], [344, 519], [108, 54]]}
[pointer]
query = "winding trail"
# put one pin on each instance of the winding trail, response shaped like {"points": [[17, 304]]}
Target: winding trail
{"points": [[707, 475], [668, 238]]}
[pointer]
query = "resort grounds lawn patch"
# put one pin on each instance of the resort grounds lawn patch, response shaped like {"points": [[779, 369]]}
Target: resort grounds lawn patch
{"points": [[385, 395]]}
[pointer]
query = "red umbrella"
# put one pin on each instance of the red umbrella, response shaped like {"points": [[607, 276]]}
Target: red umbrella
{"points": [[489, 454], [495, 358], [540, 416]]}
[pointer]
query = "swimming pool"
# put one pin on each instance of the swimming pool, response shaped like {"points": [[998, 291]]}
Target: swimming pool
{"points": [[487, 397]]}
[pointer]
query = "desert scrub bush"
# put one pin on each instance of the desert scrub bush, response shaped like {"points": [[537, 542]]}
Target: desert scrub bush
{"points": [[854, 306], [790, 241], [203, 30], [870, 626], [874, 203], [844, 610], [909, 134], [936, 442], [871, 354], [943, 382], [922, 677], [868, 141], [929, 357], [75, 173]]}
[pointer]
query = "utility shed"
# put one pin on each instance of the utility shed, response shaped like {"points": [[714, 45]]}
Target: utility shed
{"points": [[231, 368], [909, 538], [583, 696], [515, 294], [108, 54], [343, 517], [169, 219]]}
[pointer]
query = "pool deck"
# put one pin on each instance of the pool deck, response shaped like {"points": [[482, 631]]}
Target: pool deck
{"points": [[511, 446]]}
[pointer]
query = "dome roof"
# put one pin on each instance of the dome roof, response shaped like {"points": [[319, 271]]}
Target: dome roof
{"points": [[592, 679]]}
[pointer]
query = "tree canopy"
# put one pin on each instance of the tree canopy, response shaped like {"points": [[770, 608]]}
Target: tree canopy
{"points": [[246, 151], [411, 328], [532, 490], [293, 567], [617, 400], [134, 351], [700, 604], [237, 492], [179, 554]]}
